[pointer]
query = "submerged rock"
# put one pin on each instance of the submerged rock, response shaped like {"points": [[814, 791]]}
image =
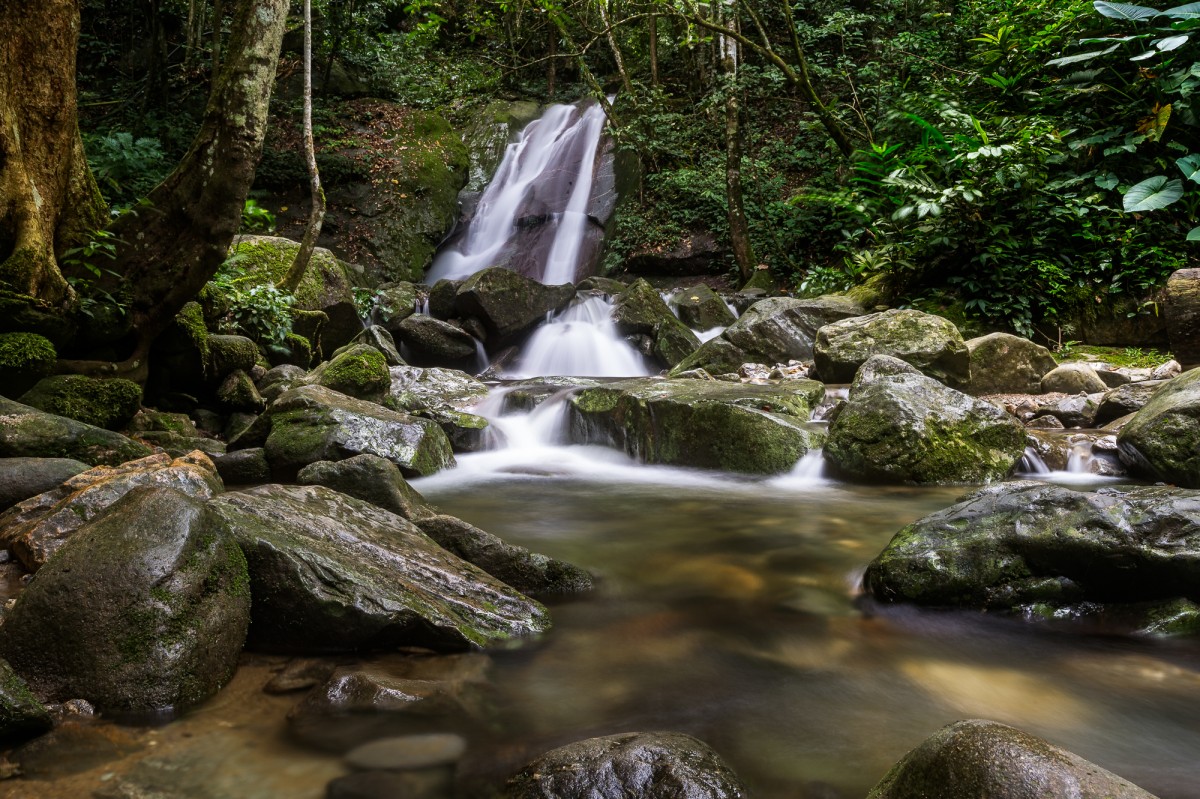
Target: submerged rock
{"points": [[144, 610], [22, 478], [978, 758], [28, 432], [646, 765], [928, 342], [330, 573], [1002, 363], [1162, 440], [738, 427]]}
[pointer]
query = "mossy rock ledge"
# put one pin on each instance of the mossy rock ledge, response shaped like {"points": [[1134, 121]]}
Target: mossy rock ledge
{"points": [[930, 343], [1128, 557], [1162, 440], [754, 429], [29, 432], [24, 359], [110, 404]]}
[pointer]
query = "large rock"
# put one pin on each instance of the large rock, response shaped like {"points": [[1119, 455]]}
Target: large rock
{"points": [[639, 765], [25, 358], [441, 395], [1162, 440], [641, 311], [21, 714], [381, 339], [978, 758], [330, 573], [1032, 546], [372, 479], [145, 609], [1002, 363], [909, 428], [104, 403], [701, 308], [1182, 310], [1073, 378], [36, 528], [22, 478], [757, 429], [774, 330], [509, 304], [28, 432], [431, 340], [1126, 399], [312, 423], [358, 371], [928, 342]]}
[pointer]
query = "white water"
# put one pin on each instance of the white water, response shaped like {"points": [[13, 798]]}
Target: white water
{"points": [[581, 341], [564, 254], [1079, 466]]}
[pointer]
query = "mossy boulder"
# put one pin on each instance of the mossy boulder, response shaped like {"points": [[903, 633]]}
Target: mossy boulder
{"points": [[330, 573], [909, 428], [104, 403], [979, 758], [29, 432], [146, 610], [701, 308], [1002, 363], [395, 302], [771, 331], [756, 429], [21, 714], [22, 478], [928, 342], [25, 358], [641, 311], [508, 304], [378, 338], [238, 393], [357, 371], [1162, 440]]}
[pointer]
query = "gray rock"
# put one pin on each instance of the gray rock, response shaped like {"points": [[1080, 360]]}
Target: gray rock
{"points": [[244, 467], [1073, 378], [1002, 363], [878, 367], [507, 303], [1077, 411], [395, 302], [928, 342], [978, 758], [640, 311], [280, 379], [701, 308], [372, 479], [146, 609], [1126, 399], [604, 285], [379, 338], [1165, 371], [330, 573], [654, 765], [22, 478], [432, 340], [408, 752], [417, 389], [238, 393], [1162, 440], [1046, 422], [443, 299], [21, 714], [26, 432], [1114, 377]]}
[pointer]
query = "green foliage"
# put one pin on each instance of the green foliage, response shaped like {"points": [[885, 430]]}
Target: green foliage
{"points": [[126, 168], [85, 270], [255, 218], [260, 312]]}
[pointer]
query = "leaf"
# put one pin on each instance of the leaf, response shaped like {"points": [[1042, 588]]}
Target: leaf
{"points": [[1078, 57], [1108, 181], [1154, 125], [1189, 11], [1171, 42], [1190, 166], [1145, 55], [1152, 194], [1124, 11], [1194, 234]]}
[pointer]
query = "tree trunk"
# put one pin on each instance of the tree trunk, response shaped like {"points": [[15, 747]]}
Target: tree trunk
{"points": [[612, 45], [739, 230], [48, 198], [295, 274], [218, 29], [552, 63], [174, 246], [654, 50]]}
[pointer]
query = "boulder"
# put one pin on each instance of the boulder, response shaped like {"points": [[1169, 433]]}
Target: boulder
{"points": [[909, 428], [1181, 307], [372, 479], [646, 765], [431, 340], [878, 367], [38, 527], [1002, 363], [104, 403], [604, 285], [280, 379], [22, 478], [379, 338], [312, 423], [507, 303], [443, 299], [1030, 546], [238, 393], [639, 309], [357, 371], [1073, 378], [244, 467], [1124, 400], [1165, 371], [701, 308], [330, 573], [1162, 440], [979, 758], [1072, 411], [738, 427], [773, 330], [28, 432], [228, 354], [440, 395], [25, 358], [21, 714], [144, 610], [395, 302], [928, 342]]}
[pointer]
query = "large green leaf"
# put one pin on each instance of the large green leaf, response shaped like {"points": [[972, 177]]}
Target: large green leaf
{"points": [[1194, 234], [1152, 194], [1190, 166], [1189, 11], [1172, 42], [1124, 11], [1075, 59]]}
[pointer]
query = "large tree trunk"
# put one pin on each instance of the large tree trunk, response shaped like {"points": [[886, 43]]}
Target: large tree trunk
{"points": [[176, 244], [48, 198], [739, 229]]}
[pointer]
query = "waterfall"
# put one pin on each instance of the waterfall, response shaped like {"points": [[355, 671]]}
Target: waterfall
{"points": [[581, 341], [534, 215]]}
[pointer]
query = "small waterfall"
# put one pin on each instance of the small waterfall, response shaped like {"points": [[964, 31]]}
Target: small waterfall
{"points": [[1032, 463], [581, 341], [1079, 459]]}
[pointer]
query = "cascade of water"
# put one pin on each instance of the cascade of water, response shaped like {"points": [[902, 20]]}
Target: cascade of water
{"points": [[580, 341], [1079, 459], [568, 239], [1032, 463]]}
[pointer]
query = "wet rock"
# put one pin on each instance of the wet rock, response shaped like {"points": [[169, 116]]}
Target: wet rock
{"points": [[22, 478], [408, 752], [909, 428], [426, 784], [177, 446], [330, 573], [1182, 310], [1073, 378], [984, 758], [928, 342], [372, 479], [26, 432], [300, 675], [145, 609], [21, 714], [739, 427], [701, 308], [431, 340], [238, 423], [379, 338], [604, 285], [312, 423], [73, 748], [358, 371], [1126, 399], [1002, 363], [1004, 548], [694, 254], [507, 303], [878, 367], [528, 572], [1162, 440], [1077, 411], [37, 528], [395, 302], [104, 403], [774, 330], [443, 299], [441, 395], [244, 467], [655, 765], [641, 312], [238, 393]]}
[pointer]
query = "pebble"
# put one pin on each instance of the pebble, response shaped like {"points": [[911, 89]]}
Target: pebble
{"points": [[408, 752]]}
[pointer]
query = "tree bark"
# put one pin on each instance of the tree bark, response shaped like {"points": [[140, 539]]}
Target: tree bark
{"points": [[654, 50], [739, 229], [48, 198], [169, 250], [611, 35]]}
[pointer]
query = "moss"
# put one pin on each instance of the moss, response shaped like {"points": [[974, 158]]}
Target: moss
{"points": [[25, 355], [190, 321], [104, 403], [300, 348], [1115, 356], [362, 372]]}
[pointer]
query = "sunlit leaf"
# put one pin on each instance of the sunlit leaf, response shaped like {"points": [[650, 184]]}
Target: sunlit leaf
{"points": [[1194, 234], [1190, 166], [1079, 57], [1172, 42], [1189, 11], [1124, 11], [1152, 194]]}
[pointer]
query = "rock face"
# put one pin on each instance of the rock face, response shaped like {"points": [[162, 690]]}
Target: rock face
{"points": [[1162, 440], [774, 330], [909, 428], [756, 429], [1002, 363], [36, 528], [312, 423], [145, 609], [22, 478], [507, 303], [655, 765], [1030, 545], [1182, 310], [928, 342], [978, 758], [104, 403], [1073, 378], [330, 573], [28, 432]]}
